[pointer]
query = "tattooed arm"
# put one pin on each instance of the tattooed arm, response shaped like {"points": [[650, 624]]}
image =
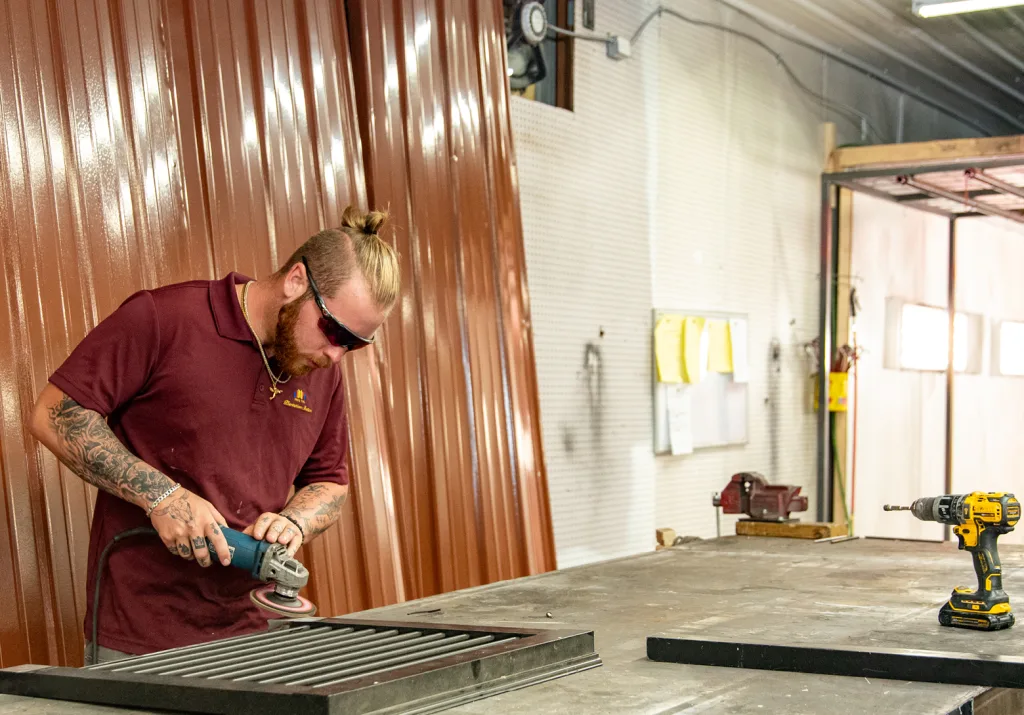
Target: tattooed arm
{"points": [[313, 509], [83, 441]]}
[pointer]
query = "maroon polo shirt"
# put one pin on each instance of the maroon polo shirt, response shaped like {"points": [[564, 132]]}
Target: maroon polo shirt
{"points": [[179, 377]]}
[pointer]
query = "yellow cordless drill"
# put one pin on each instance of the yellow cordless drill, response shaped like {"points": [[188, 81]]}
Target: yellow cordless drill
{"points": [[978, 520]]}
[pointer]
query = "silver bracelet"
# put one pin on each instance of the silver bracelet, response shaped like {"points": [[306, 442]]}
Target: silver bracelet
{"points": [[161, 498]]}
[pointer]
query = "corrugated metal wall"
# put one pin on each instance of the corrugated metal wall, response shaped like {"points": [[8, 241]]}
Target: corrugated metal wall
{"points": [[150, 141]]}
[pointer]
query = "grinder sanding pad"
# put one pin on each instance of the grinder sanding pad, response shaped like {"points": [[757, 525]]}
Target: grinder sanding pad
{"points": [[266, 598]]}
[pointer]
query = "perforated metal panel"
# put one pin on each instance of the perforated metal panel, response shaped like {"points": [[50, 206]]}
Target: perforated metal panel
{"points": [[323, 666]]}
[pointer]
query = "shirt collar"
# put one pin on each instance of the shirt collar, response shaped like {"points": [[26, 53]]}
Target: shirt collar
{"points": [[227, 313]]}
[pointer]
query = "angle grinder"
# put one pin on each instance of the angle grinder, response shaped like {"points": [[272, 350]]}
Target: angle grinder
{"points": [[270, 563]]}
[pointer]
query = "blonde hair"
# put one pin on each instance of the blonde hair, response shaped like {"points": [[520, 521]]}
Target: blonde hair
{"points": [[335, 253]]}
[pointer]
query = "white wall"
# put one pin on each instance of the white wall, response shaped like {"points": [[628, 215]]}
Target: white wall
{"points": [[901, 253], [988, 409], [901, 414], [685, 177]]}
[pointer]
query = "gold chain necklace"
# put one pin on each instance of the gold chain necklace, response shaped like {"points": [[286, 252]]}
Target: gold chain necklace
{"points": [[274, 381]]}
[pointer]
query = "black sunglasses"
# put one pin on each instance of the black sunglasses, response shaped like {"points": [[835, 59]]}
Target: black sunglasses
{"points": [[337, 334]]}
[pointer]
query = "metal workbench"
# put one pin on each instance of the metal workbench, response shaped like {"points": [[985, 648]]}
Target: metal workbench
{"points": [[860, 593]]}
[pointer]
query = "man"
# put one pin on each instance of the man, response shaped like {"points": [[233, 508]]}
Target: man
{"points": [[200, 405]]}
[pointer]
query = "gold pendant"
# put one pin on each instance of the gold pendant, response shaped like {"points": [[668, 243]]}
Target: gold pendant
{"points": [[274, 392]]}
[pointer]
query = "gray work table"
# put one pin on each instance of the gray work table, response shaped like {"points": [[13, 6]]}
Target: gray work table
{"points": [[861, 593]]}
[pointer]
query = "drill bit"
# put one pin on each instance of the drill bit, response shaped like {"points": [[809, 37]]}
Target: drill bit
{"points": [[890, 507]]}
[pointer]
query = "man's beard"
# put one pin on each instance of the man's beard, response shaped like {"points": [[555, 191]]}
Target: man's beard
{"points": [[285, 348]]}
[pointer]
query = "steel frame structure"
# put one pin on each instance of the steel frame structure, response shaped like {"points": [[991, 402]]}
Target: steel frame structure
{"points": [[908, 175], [323, 667]]}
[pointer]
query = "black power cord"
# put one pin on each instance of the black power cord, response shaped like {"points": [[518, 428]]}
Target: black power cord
{"points": [[138, 531]]}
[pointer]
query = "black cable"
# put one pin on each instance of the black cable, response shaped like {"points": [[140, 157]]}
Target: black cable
{"points": [[849, 113], [138, 531]]}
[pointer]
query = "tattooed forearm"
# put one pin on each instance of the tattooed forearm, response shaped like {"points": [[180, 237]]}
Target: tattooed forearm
{"points": [[316, 507], [88, 446]]}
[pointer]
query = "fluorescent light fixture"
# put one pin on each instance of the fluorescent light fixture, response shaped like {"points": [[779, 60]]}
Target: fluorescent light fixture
{"points": [[938, 8]]}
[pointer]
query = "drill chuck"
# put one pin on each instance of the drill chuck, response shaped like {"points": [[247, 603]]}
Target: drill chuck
{"points": [[931, 509], [945, 509]]}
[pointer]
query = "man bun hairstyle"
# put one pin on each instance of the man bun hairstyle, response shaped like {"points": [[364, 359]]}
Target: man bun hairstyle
{"points": [[335, 254], [369, 223]]}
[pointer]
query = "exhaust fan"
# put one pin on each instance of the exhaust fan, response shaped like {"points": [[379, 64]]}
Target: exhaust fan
{"points": [[526, 26]]}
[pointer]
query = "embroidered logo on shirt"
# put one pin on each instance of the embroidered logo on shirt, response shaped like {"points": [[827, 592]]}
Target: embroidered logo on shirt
{"points": [[298, 401]]}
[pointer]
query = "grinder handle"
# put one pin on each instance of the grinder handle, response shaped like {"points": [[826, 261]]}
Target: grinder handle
{"points": [[246, 552]]}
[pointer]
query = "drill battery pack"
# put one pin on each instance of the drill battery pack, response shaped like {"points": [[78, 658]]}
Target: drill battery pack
{"points": [[965, 610]]}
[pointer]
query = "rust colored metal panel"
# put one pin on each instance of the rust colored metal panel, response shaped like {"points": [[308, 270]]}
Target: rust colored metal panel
{"points": [[362, 565], [241, 234], [95, 207], [531, 488], [428, 76], [376, 76], [26, 626], [500, 554], [445, 361]]}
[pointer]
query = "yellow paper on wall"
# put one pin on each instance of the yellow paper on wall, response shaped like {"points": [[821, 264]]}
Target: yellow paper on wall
{"points": [[668, 348], [720, 346], [694, 357]]}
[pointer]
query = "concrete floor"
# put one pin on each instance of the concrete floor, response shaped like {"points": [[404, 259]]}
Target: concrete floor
{"points": [[859, 593]]}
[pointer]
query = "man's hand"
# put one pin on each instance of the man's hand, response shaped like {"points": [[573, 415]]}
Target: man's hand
{"points": [[276, 529], [184, 521]]}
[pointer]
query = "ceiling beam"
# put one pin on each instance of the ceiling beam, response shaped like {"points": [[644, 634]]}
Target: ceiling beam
{"points": [[941, 151], [979, 206], [797, 36], [870, 40], [990, 43]]}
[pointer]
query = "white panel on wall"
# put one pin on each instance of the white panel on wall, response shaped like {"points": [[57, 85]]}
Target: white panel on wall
{"points": [[901, 414], [687, 175], [988, 409]]}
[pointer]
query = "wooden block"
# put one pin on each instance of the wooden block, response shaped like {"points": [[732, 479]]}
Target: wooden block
{"points": [[666, 536], [828, 138], [790, 529]]}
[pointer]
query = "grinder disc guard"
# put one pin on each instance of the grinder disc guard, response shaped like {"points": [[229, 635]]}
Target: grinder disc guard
{"points": [[268, 599]]}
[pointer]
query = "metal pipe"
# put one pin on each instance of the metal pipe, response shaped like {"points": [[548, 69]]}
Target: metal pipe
{"points": [[378, 660], [169, 666], [896, 169], [950, 366], [989, 42], [348, 674], [468, 645], [979, 206], [824, 507], [887, 18], [861, 188], [209, 667], [291, 665], [870, 40], [997, 184], [901, 116], [261, 640], [972, 194], [370, 655]]}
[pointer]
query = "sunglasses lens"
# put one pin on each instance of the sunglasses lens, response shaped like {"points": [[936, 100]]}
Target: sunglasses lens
{"points": [[340, 336]]}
